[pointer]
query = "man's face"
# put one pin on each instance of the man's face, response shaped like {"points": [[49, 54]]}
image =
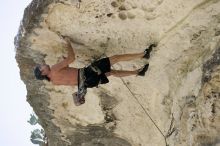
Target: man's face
{"points": [[44, 69]]}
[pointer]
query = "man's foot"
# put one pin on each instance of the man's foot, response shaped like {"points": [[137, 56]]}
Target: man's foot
{"points": [[143, 70], [148, 50]]}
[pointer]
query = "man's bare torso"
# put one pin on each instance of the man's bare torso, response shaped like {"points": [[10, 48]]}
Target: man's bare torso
{"points": [[65, 76]]}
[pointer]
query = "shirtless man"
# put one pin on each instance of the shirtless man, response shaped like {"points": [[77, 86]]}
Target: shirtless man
{"points": [[95, 74]]}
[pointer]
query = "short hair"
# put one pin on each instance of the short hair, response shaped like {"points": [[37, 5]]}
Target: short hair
{"points": [[38, 75]]}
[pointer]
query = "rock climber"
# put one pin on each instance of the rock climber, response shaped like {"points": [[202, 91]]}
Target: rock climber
{"points": [[88, 77]]}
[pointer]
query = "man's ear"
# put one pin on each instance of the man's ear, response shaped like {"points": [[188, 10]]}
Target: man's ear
{"points": [[42, 73]]}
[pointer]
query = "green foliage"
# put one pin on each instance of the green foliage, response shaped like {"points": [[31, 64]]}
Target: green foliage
{"points": [[38, 136], [33, 119], [34, 141]]}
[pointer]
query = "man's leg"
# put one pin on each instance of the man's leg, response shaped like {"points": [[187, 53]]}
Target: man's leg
{"points": [[121, 73], [125, 57]]}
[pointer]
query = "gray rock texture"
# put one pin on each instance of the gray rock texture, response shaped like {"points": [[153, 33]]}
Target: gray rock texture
{"points": [[177, 103]]}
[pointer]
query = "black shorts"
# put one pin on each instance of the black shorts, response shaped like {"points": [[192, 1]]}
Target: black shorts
{"points": [[103, 64], [92, 77]]}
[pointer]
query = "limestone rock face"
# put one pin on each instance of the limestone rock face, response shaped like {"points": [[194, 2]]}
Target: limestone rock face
{"points": [[177, 103]]}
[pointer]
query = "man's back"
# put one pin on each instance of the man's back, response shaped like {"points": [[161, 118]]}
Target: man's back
{"points": [[64, 76]]}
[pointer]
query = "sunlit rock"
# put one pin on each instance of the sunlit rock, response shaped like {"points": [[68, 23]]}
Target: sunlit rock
{"points": [[180, 93]]}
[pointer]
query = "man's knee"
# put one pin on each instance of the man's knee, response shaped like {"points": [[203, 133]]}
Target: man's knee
{"points": [[113, 59], [108, 74], [113, 73]]}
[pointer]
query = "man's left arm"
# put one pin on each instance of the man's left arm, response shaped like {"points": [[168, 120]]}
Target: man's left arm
{"points": [[71, 53], [69, 59]]}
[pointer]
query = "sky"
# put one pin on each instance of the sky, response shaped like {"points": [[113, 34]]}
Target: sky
{"points": [[14, 110]]}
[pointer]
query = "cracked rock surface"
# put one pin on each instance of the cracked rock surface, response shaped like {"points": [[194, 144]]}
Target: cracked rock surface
{"points": [[180, 92]]}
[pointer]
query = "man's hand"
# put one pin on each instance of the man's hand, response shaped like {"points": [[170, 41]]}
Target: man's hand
{"points": [[67, 39]]}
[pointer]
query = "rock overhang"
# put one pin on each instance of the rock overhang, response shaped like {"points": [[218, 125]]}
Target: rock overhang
{"points": [[185, 43]]}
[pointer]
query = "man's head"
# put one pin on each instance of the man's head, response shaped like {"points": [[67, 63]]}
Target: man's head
{"points": [[41, 72]]}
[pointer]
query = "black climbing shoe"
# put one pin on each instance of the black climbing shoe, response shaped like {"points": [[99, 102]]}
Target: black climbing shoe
{"points": [[148, 50], [143, 70]]}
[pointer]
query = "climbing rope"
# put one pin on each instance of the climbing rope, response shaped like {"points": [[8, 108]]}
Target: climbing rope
{"points": [[148, 115]]}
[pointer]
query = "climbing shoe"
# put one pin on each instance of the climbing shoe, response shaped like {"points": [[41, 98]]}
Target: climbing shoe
{"points": [[143, 70], [148, 50]]}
